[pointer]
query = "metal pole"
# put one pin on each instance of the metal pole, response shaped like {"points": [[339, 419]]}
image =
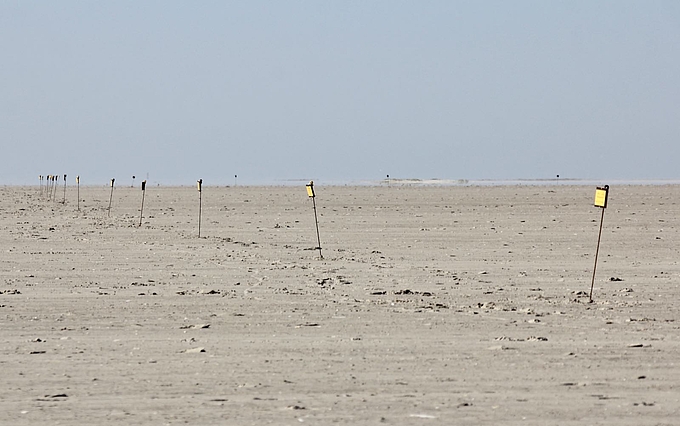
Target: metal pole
{"points": [[200, 204], [78, 185], [597, 252], [111, 196], [316, 221], [141, 211], [64, 201]]}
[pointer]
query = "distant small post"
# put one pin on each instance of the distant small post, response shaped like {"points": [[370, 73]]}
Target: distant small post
{"points": [[64, 200], [199, 184], [601, 197], [388, 180], [312, 195], [235, 180], [54, 194], [141, 211], [111, 196], [78, 190], [133, 182]]}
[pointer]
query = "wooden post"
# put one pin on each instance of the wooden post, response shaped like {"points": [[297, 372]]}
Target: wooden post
{"points": [[64, 200], [111, 196], [601, 197], [200, 204], [141, 211], [312, 195]]}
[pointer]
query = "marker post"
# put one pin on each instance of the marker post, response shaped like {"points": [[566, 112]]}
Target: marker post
{"points": [[78, 193], [199, 184], [141, 211], [54, 187], [312, 195], [601, 197], [111, 196], [40, 178], [64, 200]]}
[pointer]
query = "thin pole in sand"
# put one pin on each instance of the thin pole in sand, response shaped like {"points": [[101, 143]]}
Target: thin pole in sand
{"points": [[40, 178], [133, 182], [312, 195], [199, 184], [54, 194], [111, 196], [235, 181], [141, 211], [78, 193], [64, 200], [601, 196], [388, 180]]}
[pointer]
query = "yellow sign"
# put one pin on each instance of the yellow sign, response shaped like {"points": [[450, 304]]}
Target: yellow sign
{"points": [[601, 196], [199, 183], [310, 188], [77, 179]]}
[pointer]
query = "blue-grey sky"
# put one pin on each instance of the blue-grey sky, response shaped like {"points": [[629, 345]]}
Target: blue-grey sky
{"points": [[339, 90]]}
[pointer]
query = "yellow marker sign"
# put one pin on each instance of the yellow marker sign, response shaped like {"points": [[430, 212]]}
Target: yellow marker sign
{"points": [[601, 196], [310, 188], [77, 179], [199, 183]]}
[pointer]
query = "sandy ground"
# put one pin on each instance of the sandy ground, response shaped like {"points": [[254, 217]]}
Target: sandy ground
{"points": [[432, 305]]}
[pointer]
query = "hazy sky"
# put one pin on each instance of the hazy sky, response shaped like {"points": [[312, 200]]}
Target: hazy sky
{"points": [[339, 90]]}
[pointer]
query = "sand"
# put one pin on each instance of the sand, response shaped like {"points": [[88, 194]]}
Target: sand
{"points": [[433, 305]]}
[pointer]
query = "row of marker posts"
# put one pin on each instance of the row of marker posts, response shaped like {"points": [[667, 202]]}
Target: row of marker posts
{"points": [[601, 199], [50, 186]]}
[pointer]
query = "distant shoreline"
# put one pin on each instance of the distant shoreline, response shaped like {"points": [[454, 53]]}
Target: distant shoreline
{"points": [[404, 182]]}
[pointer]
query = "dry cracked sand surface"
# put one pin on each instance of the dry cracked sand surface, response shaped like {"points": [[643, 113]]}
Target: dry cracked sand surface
{"points": [[432, 305]]}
